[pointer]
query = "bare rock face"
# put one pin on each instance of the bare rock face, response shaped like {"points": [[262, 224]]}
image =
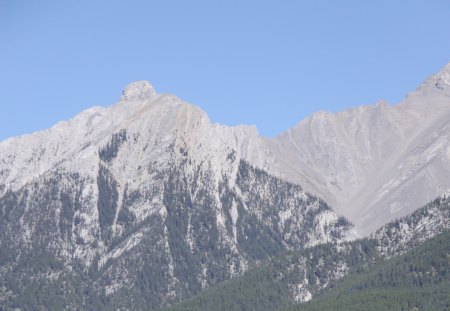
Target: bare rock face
{"points": [[138, 90], [374, 163]]}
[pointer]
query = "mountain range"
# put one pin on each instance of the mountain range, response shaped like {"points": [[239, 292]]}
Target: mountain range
{"points": [[146, 203]]}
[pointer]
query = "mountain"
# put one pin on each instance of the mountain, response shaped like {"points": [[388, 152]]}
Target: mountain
{"points": [[404, 262], [141, 205], [146, 203], [373, 163]]}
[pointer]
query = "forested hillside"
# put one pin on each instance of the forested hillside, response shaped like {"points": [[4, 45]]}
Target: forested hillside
{"points": [[341, 276], [418, 280]]}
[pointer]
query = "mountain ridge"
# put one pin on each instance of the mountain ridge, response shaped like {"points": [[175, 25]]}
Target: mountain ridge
{"points": [[334, 156], [148, 200], [365, 160]]}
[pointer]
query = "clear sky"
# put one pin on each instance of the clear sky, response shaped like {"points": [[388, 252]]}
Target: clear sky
{"points": [[269, 63]]}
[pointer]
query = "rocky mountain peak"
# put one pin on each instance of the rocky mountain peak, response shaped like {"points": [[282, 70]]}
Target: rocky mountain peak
{"points": [[438, 82], [443, 77], [138, 90]]}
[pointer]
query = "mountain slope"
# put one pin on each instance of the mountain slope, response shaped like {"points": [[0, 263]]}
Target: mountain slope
{"points": [[418, 280], [373, 163], [298, 277], [144, 204]]}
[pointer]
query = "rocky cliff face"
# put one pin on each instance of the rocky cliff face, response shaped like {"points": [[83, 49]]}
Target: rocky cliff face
{"points": [[373, 163]]}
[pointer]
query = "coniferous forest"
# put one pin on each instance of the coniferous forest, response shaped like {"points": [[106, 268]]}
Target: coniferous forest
{"points": [[417, 280]]}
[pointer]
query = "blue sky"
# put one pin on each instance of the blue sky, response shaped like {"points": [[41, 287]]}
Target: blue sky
{"points": [[269, 63]]}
